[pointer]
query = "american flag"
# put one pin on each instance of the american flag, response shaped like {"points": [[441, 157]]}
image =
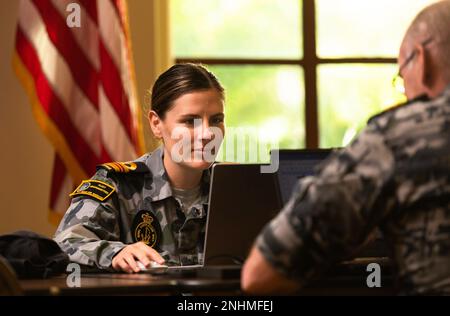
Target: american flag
{"points": [[80, 82]]}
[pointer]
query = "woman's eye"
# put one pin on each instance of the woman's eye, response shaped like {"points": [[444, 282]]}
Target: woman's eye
{"points": [[189, 121], [217, 120]]}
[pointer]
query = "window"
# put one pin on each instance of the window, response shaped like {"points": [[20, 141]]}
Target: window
{"points": [[300, 73]]}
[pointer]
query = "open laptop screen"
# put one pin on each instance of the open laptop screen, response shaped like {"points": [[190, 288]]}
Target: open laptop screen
{"points": [[296, 164]]}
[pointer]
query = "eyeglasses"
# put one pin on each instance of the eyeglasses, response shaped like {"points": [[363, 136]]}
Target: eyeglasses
{"points": [[397, 81]]}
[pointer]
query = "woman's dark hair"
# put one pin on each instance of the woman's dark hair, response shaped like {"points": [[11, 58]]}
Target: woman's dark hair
{"points": [[179, 80]]}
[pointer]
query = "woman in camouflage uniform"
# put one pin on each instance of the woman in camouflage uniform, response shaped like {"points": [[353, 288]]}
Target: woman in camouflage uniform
{"points": [[153, 208]]}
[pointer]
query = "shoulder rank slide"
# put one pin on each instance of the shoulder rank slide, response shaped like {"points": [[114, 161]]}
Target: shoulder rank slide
{"points": [[122, 167], [95, 189]]}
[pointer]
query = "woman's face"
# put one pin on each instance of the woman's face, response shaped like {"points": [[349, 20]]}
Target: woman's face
{"points": [[193, 129]]}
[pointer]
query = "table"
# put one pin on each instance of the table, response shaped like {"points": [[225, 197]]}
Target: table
{"points": [[129, 284], [347, 278]]}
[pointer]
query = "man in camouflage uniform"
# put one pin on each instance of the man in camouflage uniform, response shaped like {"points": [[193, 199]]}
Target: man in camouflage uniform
{"points": [[394, 175], [126, 203]]}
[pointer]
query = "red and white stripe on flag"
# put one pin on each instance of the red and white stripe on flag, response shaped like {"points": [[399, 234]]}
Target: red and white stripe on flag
{"points": [[81, 85]]}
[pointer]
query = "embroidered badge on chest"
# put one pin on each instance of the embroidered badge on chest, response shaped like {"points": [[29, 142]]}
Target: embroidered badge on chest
{"points": [[146, 228]]}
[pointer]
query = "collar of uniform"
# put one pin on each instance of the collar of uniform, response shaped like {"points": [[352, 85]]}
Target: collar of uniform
{"points": [[160, 186], [447, 90], [420, 98], [200, 209]]}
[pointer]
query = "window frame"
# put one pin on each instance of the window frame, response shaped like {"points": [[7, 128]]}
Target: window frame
{"points": [[309, 63]]}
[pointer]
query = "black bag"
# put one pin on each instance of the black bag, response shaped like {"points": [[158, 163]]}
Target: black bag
{"points": [[32, 255]]}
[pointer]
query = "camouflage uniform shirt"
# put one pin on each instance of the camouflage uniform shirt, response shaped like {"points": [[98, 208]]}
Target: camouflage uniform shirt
{"points": [[93, 231], [395, 175]]}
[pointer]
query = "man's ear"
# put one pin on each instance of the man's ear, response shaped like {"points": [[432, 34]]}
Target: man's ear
{"points": [[155, 124], [424, 67]]}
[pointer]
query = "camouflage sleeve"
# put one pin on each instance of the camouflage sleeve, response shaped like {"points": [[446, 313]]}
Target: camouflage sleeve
{"points": [[89, 231], [330, 214]]}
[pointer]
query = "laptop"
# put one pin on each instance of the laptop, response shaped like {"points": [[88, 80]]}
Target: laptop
{"points": [[294, 164], [241, 201], [298, 163]]}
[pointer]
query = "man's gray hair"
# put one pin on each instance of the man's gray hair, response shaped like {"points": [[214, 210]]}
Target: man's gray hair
{"points": [[433, 22]]}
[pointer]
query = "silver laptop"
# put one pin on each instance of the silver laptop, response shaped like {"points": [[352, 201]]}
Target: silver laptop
{"points": [[241, 201]]}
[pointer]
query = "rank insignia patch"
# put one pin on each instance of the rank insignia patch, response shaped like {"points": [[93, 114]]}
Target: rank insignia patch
{"points": [[123, 167], [95, 189], [146, 228]]}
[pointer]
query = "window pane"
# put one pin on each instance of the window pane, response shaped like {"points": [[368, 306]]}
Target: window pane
{"points": [[267, 103], [236, 28], [348, 28], [349, 96]]}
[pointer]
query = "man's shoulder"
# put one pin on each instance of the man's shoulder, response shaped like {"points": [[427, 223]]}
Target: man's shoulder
{"points": [[391, 111]]}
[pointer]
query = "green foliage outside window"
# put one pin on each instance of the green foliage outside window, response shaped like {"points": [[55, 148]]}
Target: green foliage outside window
{"points": [[270, 98]]}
